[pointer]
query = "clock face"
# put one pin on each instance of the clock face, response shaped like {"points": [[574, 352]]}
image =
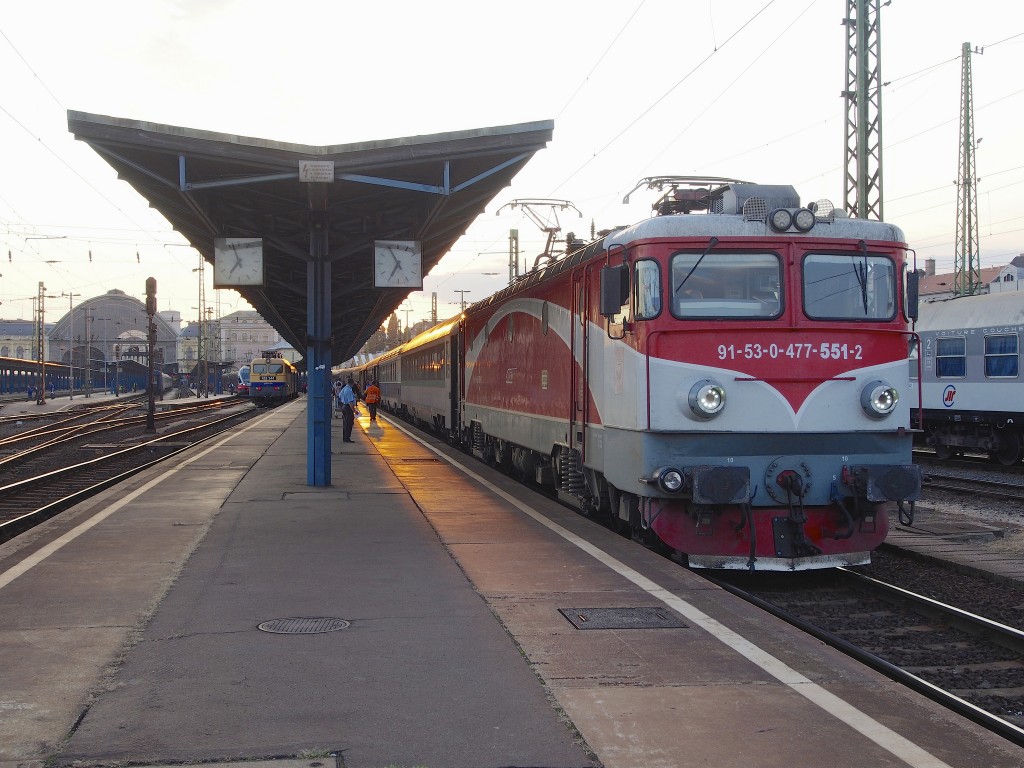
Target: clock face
{"points": [[397, 264], [237, 261]]}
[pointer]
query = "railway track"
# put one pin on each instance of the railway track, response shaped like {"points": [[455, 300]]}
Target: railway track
{"points": [[36, 497], [986, 487], [966, 463], [971, 475], [30, 444], [968, 663]]}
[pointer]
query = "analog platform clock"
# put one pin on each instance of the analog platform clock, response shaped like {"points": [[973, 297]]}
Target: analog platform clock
{"points": [[397, 264], [237, 261]]}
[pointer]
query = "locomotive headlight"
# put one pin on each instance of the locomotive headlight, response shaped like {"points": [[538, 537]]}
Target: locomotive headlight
{"points": [[879, 399], [670, 480], [707, 398], [803, 220], [780, 219]]}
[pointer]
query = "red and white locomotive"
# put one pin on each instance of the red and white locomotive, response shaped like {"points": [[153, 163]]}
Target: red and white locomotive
{"points": [[729, 381]]}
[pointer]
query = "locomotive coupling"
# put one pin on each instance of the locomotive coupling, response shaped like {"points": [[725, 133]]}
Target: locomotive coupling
{"points": [[791, 481]]}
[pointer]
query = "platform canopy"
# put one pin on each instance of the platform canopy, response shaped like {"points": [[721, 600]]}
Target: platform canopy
{"points": [[213, 185]]}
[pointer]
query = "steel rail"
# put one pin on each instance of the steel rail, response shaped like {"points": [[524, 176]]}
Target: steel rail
{"points": [[22, 523], [993, 723]]}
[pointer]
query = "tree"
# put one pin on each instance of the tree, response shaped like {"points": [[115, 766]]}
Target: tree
{"points": [[378, 341], [394, 336]]}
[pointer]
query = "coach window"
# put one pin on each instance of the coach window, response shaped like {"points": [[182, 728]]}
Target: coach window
{"points": [[647, 280], [849, 286], [950, 357], [1001, 361]]}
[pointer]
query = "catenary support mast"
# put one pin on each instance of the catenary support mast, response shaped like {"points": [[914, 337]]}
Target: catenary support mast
{"points": [[863, 94], [967, 270]]}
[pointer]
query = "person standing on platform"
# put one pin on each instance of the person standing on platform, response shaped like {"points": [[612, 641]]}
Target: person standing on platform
{"points": [[372, 398], [348, 413]]}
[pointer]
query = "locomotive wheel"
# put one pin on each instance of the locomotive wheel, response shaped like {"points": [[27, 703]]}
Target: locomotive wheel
{"points": [[1009, 450], [944, 452]]}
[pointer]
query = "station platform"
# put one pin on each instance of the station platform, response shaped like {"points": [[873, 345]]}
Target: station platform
{"points": [[971, 546], [422, 611]]}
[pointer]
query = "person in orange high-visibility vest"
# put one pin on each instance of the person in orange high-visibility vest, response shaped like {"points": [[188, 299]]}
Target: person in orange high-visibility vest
{"points": [[372, 398]]}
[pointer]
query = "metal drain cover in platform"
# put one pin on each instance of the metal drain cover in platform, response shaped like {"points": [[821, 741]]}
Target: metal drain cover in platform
{"points": [[304, 625], [622, 618]]}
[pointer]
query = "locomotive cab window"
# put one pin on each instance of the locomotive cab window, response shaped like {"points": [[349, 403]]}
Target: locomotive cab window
{"points": [[647, 295], [849, 286], [267, 368], [726, 285]]}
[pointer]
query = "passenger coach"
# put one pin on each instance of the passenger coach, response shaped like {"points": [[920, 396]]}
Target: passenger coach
{"points": [[970, 375]]}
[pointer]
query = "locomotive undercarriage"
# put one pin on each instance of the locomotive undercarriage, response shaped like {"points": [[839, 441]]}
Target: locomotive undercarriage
{"points": [[719, 517], [753, 512]]}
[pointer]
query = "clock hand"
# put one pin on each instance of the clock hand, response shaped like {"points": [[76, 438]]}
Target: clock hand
{"points": [[398, 266]]}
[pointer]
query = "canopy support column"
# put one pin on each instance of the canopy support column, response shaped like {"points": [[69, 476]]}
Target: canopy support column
{"points": [[318, 355]]}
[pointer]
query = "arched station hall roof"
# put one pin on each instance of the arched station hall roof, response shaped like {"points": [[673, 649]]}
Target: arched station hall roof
{"points": [[207, 185]]}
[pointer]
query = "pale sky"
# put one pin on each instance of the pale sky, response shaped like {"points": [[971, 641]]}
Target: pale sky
{"points": [[747, 89]]}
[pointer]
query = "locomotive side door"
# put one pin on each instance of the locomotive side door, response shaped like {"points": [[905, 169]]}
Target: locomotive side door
{"points": [[579, 375]]}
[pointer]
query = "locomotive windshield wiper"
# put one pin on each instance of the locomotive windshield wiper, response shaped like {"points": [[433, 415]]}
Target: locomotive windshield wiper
{"points": [[711, 244], [861, 271]]}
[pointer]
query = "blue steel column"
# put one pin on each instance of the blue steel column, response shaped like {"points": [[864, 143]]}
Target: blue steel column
{"points": [[318, 356]]}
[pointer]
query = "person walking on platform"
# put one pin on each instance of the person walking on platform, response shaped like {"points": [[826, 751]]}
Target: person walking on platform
{"points": [[372, 398], [348, 414]]}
